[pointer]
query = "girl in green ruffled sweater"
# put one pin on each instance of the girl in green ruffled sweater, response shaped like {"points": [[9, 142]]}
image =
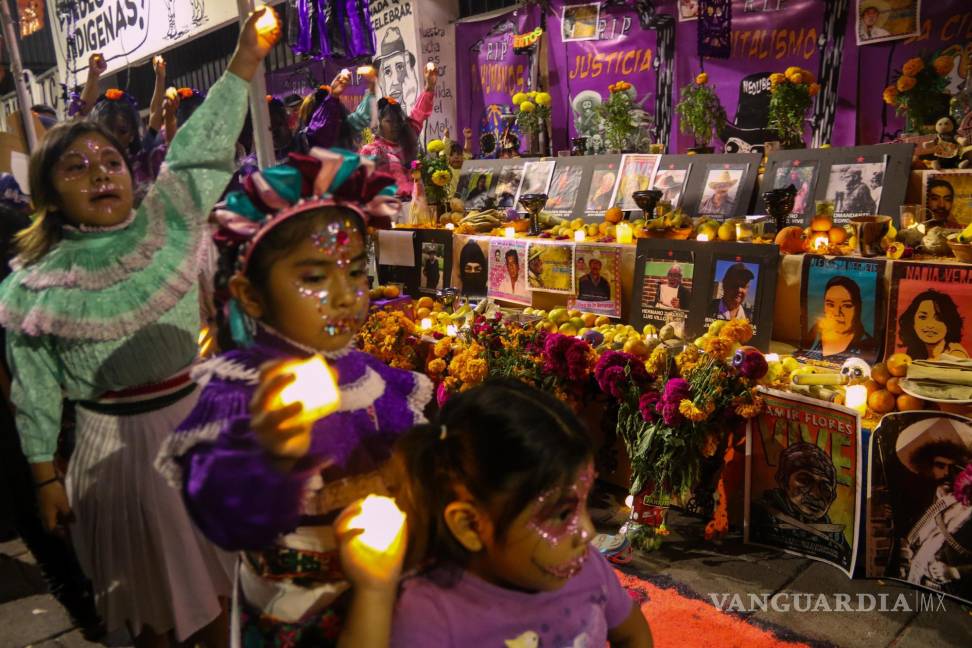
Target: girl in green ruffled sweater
{"points": [[103, 307]]}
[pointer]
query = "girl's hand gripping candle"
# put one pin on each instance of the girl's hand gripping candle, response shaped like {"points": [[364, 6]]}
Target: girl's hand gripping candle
{"points": [[371, 535]]}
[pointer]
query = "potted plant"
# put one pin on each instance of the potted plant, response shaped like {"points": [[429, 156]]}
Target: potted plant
{"points": [[532, 113], [623, 120], [919, 94], [700, 113], [791, 94]]}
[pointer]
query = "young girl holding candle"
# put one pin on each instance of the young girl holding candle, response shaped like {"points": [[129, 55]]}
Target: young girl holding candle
{"points": [[257, 477], [103, 306], [396, 143], [496, 496]]}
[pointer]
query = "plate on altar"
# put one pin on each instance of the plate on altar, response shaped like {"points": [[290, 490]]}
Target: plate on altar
{"points": [[931, 392]]}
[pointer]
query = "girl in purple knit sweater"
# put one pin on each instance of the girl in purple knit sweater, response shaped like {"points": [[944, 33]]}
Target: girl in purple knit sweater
{"points": [[251, 478]]}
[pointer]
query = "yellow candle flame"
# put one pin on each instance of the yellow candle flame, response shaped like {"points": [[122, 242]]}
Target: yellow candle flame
{"points": [[425, 324], [267, 22], [430, 66], [624, 233], [450, 226], [314, 387], [821, 242], [452, 331], [365, 69], [855, 397], [580, 236], [509, 232], [772, 357], [381, 522], [702, 237]]}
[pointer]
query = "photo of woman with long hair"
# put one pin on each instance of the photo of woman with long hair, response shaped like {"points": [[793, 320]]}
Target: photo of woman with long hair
{"points": [[840, 328], [931, 326]]}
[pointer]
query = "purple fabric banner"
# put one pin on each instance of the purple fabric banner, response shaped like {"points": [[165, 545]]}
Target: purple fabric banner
{"points": [[490, 72], [946, 28]]}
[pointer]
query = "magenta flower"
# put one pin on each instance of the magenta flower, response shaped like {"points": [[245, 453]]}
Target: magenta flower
{"points": [[565, 357], [647, 404], [607, 378], [441, 394], [962, 488]]}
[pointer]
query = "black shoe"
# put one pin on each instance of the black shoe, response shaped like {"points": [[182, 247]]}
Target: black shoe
{"points": [[79, 602]]}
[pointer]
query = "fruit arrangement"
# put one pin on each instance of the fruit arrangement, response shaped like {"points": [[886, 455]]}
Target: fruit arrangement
{"points": [[884, 394], [673, 224], [385, 292], [481, 222]]}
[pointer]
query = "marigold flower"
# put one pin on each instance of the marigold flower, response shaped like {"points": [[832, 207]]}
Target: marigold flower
{"points": [[814, 89], [442, 348], [890, 95], [114, 94], [905, 83], [519, 98], [795, 79], [441, 177], [435, 146], [689, 410], [740, 331], [943, 65], [186, 93], [544, 99], [790, 71], [912, 67], [702, 78], [527, 107], [776, 78], [436, 366], [807, 75], [718, 347]]}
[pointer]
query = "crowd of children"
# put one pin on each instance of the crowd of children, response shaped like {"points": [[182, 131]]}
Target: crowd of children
{"points": [[201, 509]]}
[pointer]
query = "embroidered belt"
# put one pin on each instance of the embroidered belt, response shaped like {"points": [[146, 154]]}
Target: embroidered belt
{"points": [[142, 399]]}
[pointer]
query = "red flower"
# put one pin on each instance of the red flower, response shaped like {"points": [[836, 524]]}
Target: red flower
{"points": [[566, 357], [647, 404], [185, 93], [114, 94], [611, 375]]}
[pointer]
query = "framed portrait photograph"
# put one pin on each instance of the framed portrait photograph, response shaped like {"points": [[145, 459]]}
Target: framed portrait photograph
{"points": [[433, 267], [720, 190], [472, 270], [597, 272], [637, 174], [507, 184], [803, 176], [930, 310], [688, 10], [879, 21], [604, 178], [507, 270], [536, 179], [550, 267], [564, 191], [477, 188], [855, 187], [919, 530], [665, 295], [671, 182], [579, 22], [947, 195], [842, 308]]}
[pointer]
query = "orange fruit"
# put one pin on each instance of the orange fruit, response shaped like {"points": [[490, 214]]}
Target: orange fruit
{"points": [[907, 402], [821, 223], [898, 364], [614, 215], [391, 292], [425, 302], [837, 235], [893, 386], [422, 313], [871, 386], [881, 401], [880, 373]]}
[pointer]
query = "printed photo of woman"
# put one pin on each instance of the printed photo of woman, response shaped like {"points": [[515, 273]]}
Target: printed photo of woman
{"points": [[840, 329]]}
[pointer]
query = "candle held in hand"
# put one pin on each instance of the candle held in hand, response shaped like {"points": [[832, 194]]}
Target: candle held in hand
{"points": [[314, 387], [381, 522], [267, 24]]}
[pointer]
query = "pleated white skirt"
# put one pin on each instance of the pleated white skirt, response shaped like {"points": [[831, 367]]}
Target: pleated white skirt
{"points": [[149, 564]]}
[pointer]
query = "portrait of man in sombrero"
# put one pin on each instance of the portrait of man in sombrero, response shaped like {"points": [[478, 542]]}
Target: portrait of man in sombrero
{"points": [[719, 195], [396, 70]]}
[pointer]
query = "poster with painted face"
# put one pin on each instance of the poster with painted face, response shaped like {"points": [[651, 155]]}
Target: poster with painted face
{"points": [[507, 270], [688, 10], [550, 268], [842, 308], [803, 467], [883, 20], [855, 188], [919, 502], [733, 294], [948, 197], [637, 174], [397, 75], [472, 269], [597, 271], [803, 177], [564, 189], [603, 181], [930, 311]]}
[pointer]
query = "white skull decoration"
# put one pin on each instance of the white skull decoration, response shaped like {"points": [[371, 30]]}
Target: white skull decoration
{"points": [[856, 370]]}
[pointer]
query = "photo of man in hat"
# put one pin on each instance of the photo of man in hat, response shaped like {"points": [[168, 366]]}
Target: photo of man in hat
{"points": [[873, 14], [719, 198], [396, 70], [535, 267], [593, 286], [735, 302], [586, 120], [850, 193], [795, 513], [670, 184]]}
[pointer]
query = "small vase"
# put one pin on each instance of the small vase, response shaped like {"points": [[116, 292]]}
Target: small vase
{"points": [[779, 204]]}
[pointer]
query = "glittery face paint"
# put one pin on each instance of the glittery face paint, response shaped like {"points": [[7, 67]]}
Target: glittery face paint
{"points": [[560, 512], [93, 183]]}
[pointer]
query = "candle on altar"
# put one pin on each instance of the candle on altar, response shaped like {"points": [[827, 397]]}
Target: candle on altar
{"points": [[821, 242], [425, 324], [624, 233], [744, 231], [772, 357], [381, 522], [450, 226], [509, 232], [855, 397], [451, 330], [580, 236], [314, 387], [702, 237]]}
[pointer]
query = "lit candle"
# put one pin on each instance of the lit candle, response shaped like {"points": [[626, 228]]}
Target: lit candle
{"points": [[629, 501], [345, 72], [450, 226], [624, 233], [430, 66], [509, 232], [772, 357], [855, 397], [744, 231], [267, 23], [365, 69], [580, 236], [313, 387], [451, 330], [425, 324], [821, 242], [702, 237], [381, 522]]}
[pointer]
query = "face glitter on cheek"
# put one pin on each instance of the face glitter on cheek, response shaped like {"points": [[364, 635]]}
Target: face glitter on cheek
{"points": [[560, 513], [334, 241]]}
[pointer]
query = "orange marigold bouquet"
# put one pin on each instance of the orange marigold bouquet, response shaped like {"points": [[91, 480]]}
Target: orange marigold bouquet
{"points": [[918, 89]]}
